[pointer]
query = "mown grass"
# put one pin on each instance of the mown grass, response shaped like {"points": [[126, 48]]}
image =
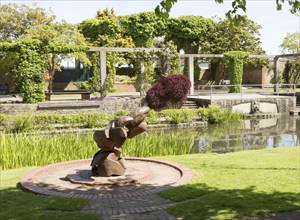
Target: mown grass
{"points": [[18, 205], [233, 185]]}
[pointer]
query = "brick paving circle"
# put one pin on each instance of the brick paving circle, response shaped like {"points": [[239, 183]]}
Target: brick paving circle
{"points": [[134, 198]]}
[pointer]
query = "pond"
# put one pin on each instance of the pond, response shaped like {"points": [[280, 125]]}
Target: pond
{"points": [[245, 135], [250, 134]]}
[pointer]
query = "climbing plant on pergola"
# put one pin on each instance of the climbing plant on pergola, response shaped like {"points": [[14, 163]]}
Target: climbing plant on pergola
{"points": [[30, 71]]}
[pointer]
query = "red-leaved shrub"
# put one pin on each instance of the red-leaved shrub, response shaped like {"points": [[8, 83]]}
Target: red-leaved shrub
{"points": [[168, 91]]}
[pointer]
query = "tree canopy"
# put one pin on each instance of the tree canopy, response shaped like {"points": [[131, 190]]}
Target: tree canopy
{"points": [[244, 37], [165, 6], [291, 43], [16, 19], [189, 32]]}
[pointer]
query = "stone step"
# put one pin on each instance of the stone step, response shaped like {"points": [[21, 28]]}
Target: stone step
{"points": [[190, 105]]}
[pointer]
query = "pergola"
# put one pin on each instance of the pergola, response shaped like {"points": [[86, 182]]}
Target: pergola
{"points": [[190, 57]]}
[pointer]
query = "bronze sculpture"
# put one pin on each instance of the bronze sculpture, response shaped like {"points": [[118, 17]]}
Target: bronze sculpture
{"points": [[108, 161]]}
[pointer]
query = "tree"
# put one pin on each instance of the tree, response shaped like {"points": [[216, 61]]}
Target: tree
{"points": [[143, 28], [222, 38], [189, 33], [291, 45], [16, 19], [104, 31], [165, 6]]}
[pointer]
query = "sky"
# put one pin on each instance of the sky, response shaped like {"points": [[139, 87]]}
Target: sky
{"points": [[275, 24]]}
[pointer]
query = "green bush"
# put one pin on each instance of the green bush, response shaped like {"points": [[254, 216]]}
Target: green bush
{"points": [[176, 116], [215, 115], [153, 117]]}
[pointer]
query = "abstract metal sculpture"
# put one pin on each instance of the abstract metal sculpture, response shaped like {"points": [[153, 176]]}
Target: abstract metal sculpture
{"points": [[108, 161]]}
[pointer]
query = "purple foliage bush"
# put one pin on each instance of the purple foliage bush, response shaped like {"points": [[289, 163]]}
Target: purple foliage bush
{"points": [[171, 90]]}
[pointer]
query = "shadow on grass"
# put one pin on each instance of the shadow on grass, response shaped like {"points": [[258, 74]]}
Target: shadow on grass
{"points": [[198, 201], [16, 204]]}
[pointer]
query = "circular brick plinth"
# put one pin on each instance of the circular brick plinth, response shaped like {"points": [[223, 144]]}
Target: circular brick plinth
{"points": [[147, 176], [85, 176]]}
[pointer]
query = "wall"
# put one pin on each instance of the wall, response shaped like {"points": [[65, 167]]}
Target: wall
{"points": [[284, 103], [103, 106]]}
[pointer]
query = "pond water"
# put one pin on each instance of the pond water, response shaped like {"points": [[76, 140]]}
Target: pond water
{"points": [[246, 135], [251, 134]]}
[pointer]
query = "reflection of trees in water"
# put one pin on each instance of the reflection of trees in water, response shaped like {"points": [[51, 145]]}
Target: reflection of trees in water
{"points": [[233, 137]]}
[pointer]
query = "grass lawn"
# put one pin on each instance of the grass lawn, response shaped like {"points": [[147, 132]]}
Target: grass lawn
{"points": [[16, 204], [225, 186], [246, 183]]}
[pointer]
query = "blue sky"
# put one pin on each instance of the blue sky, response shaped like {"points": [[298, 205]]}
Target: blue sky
{"points": [[275, 24]]}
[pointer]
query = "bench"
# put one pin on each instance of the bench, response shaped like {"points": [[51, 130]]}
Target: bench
{"points": [[85, 95]]}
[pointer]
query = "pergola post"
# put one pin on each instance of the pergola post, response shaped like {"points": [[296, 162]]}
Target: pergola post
{"points": [[102, 66], [191, 73], [276, 59]]}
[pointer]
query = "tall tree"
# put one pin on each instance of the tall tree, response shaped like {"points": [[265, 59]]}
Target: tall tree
{"points": [[16, 19], [189, 33], [143, 28], [291, 43], [104, 31], [222, 38]]}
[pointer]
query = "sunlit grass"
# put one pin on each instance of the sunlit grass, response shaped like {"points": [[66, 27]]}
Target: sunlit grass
{"points": [[19, 205], [245, 183]]}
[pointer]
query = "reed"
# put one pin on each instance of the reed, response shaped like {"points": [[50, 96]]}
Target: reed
{"points": [[21, 150]]}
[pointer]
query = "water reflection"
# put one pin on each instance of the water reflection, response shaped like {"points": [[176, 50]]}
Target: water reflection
{"points": [[250, 134]]}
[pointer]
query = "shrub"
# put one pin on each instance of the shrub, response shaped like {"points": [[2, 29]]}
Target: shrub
{"points": [[176, 116], [168, 91], [156, 97], [152, 117], [216, 115]]}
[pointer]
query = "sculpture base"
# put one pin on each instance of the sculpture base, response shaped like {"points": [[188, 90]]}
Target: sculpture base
{"points": [[110, 166], [76, 178]]}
